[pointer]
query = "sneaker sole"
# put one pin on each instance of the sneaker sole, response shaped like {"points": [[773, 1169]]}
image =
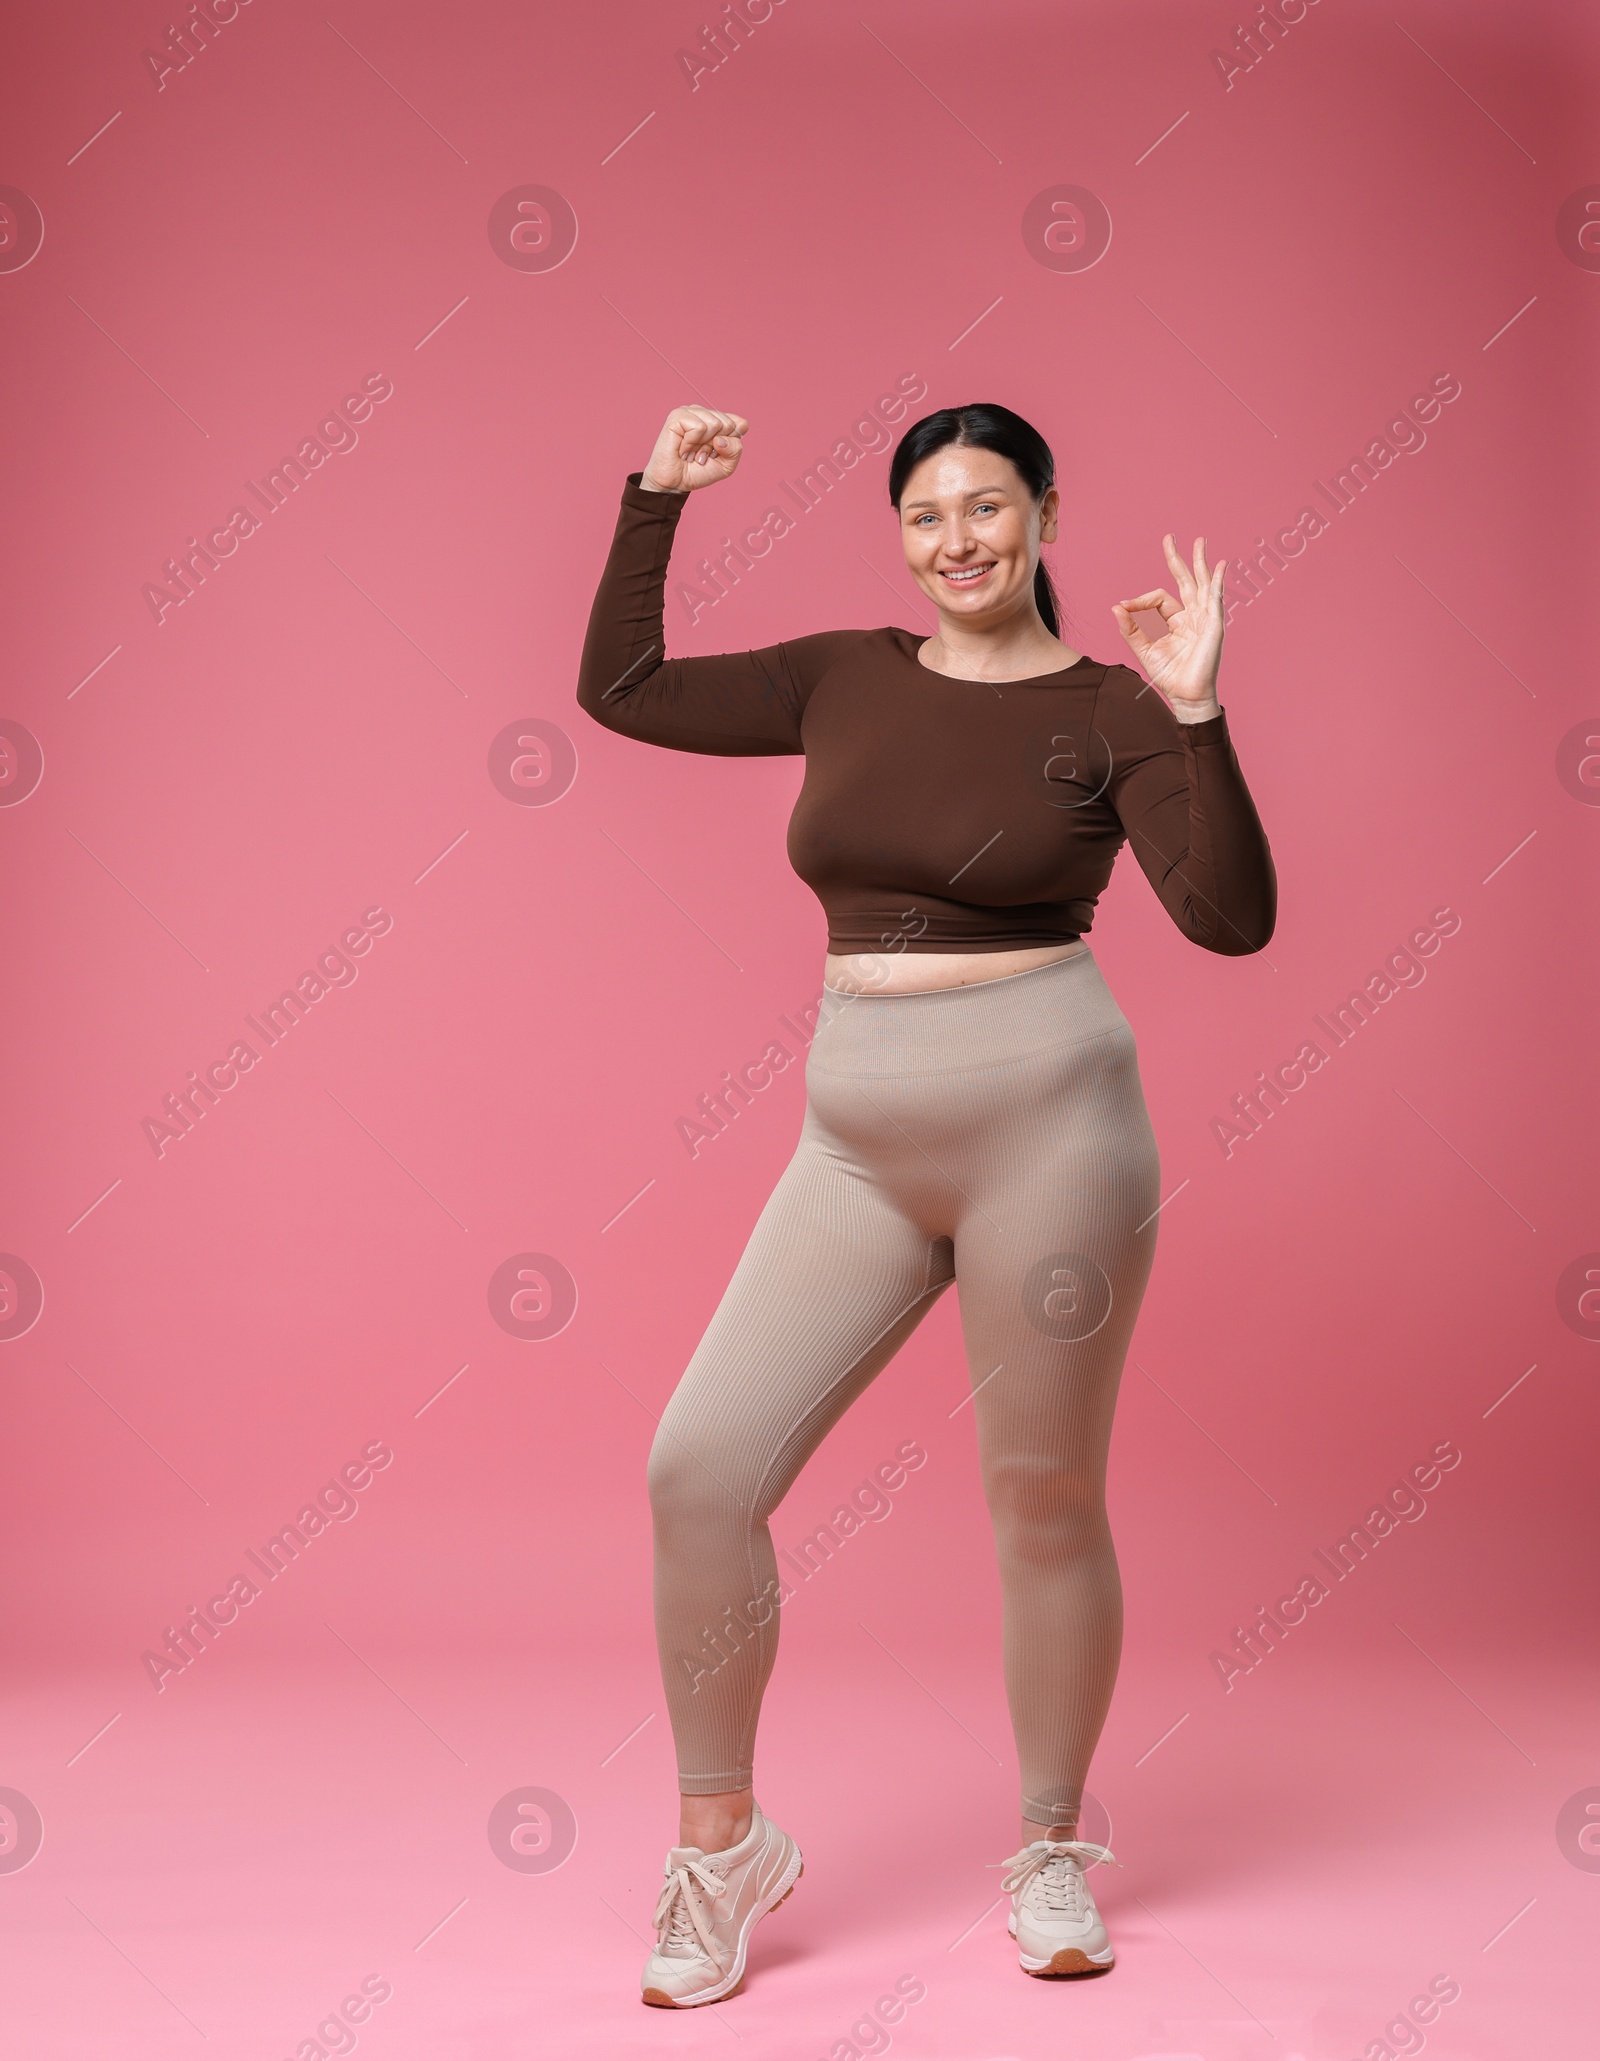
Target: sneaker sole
{"points": [[733, 1982], [1070, 1961]]}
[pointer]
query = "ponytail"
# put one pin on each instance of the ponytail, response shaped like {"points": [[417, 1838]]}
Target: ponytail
{"points": [[1044, 594]]}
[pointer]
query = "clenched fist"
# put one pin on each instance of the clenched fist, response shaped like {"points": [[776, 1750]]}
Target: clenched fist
{"points": [[696, 448]]}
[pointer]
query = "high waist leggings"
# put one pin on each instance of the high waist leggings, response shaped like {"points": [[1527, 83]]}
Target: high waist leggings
{"points": [[994, 1135]]}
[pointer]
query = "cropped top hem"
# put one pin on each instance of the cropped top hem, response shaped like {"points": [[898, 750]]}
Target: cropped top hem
{"points": [[1017, 941]]}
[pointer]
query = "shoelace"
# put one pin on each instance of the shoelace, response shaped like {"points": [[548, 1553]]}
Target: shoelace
{"points": [[1061, 1887], [678, 1908]]}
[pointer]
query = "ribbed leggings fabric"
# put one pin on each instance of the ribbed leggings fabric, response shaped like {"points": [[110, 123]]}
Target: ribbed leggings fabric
{"points": [[995, 1136]]}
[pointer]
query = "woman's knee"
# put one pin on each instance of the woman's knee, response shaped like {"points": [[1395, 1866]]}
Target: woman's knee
{"points": [[1044, 1510], [684, 1483]]}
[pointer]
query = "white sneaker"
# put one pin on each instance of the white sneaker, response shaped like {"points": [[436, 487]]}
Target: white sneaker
{"points": [[709, 1906], [1054, 1922]]}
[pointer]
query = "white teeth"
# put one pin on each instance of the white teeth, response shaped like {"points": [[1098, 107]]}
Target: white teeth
{"points": [[976, 573]]}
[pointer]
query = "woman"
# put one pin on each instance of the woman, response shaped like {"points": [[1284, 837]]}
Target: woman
{"points": [[974, 1109]]}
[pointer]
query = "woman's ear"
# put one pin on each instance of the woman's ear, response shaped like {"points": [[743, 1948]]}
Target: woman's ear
{"points": [[1048, 507]]}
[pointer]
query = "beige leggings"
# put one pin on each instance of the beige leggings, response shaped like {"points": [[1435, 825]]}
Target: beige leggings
{"points": [[995, 1135]]}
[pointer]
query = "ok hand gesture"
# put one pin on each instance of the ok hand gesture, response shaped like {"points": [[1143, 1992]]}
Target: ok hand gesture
{"points": [[1182, 665], [696, 448]]}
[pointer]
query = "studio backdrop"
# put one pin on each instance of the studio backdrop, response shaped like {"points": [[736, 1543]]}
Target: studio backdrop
{"points": [[397, 1061]]}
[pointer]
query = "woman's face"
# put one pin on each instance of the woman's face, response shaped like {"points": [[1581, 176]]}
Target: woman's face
{"points": [[972, 532]]}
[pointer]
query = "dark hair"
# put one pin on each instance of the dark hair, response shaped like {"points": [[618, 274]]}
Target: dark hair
{"points": [[985, 426]]}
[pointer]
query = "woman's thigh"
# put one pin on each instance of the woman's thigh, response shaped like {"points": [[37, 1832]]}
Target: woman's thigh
{"points": [[1053, 1255], [833, 1280]]}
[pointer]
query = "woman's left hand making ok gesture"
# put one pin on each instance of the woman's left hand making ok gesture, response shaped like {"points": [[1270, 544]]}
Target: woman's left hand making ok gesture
{"points": [[1183, 663]]}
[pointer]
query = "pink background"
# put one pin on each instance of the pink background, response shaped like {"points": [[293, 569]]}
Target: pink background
{"points": [[308, 736]]}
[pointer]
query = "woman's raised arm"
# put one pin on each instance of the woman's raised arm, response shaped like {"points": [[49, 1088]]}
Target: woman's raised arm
{"points": [[1176, 784], [734, 704]]}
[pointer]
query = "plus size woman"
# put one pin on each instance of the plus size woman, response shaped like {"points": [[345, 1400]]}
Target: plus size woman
{"points": [[974, 1112]]}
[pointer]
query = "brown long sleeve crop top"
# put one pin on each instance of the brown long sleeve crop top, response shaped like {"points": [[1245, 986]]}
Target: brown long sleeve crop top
{"points": [[938, 814]]}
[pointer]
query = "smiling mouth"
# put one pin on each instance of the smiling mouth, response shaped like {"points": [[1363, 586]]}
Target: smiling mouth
{"points": [[968, 576]]}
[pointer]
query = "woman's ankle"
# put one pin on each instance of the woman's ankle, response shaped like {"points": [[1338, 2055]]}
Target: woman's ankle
{"points": [[1031, 1831], [715, 1823]]}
